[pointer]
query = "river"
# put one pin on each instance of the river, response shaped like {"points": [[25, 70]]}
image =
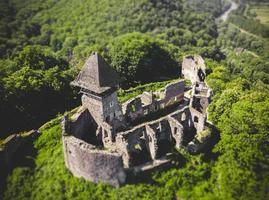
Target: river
{"points": [[224, 16]]}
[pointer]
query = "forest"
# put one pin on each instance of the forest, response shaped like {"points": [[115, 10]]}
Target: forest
{"points": [[44, 43]]}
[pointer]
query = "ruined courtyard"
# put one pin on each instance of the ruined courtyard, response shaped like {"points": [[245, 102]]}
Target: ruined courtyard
{"points": [[105, 141]]}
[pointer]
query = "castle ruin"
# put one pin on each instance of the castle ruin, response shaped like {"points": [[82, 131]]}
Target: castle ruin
{"points": [[105, 141], [193, 68]]}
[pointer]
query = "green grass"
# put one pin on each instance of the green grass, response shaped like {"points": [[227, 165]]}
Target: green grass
{"points": [[125, 95], [1, 143], [262, 12]]}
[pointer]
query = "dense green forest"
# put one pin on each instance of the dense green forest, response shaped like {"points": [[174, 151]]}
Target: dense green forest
{"points": [[43, 44]]}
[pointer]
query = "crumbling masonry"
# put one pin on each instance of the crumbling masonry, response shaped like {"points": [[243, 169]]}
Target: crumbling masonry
{"points": [[104, 140]]}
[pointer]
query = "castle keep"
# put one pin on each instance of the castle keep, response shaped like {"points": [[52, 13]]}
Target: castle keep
{"points": [[105, 141]]}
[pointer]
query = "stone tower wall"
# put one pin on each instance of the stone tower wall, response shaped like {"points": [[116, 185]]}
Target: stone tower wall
{"points": [[199, 103], [84, 160], [103, 108], [94, 105], [112, 108], [193, 68]]}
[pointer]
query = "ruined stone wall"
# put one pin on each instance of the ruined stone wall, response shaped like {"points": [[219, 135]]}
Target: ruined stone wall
{"points": [[151, 108], [174, 90], [83, 126], [177, 131], [15, 150], [162, 136], [201, 96], [198, 119], [104, 109], [133, 109], [147, 98], [95, 107], [151, 140], [147, 103], [133, 146], [193, 68], [112, 108], [84, 160], [10, 147]]}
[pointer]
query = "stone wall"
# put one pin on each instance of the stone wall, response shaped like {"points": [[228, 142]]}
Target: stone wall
{"points": [[193, 68], [147, 103], [201, 97], [83, 126], [84, 160], [111, 108], [94, 105], [133, 145], [152, 140], [181, 126], [104, 109], [173, 90]]}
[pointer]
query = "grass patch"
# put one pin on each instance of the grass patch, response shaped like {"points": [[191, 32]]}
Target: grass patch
{"points": [[1, 143], [125, 95], [262, 12]]}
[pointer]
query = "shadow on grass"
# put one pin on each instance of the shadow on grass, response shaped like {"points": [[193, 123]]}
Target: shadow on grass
{"points": [[23, 157], [177, 161], [209, 155]]}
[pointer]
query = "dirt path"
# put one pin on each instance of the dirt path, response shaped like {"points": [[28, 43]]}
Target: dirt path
{"points": [[244, 31]]}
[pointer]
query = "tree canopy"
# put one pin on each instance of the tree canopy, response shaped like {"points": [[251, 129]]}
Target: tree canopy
{"points": [[140, 58]]}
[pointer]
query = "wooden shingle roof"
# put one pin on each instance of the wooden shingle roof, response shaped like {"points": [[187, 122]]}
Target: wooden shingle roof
{"points": [[96, 75]]}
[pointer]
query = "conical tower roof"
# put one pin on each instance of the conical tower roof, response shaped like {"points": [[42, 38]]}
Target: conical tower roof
{"points": [[96, 75]]}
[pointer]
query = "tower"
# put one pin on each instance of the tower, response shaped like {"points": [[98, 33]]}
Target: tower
{"points": [[201, 96], [193, 68], [99, 83]]}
